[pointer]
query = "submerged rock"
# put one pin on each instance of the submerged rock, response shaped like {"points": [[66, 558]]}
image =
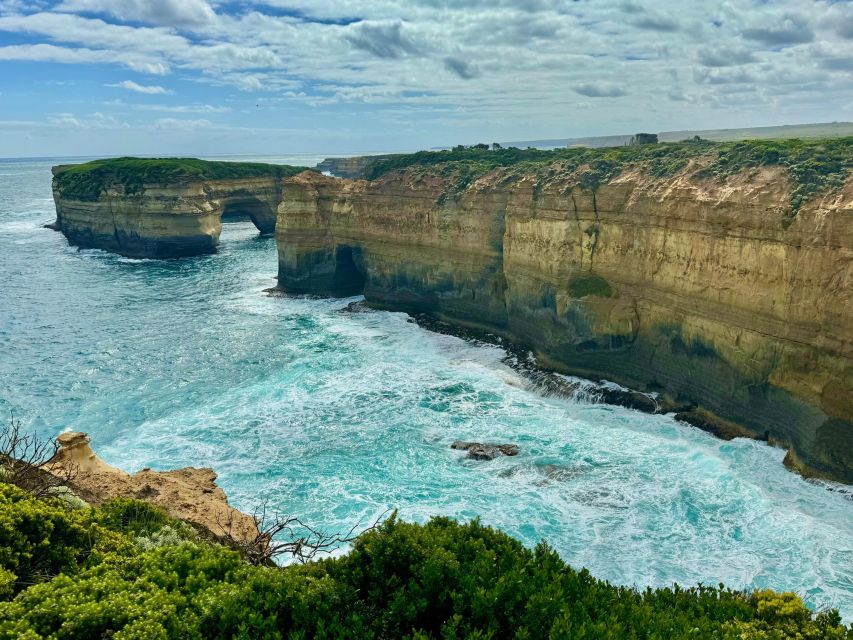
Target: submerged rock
{"points": [[481, 451], [560, 473]]}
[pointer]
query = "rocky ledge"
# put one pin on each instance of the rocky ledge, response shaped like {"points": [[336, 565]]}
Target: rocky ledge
{"points": [[724, 289], [188, 494], [162, 208]]}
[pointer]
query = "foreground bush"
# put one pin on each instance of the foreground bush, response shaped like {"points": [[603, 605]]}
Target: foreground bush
{"points": [[125, 571]]}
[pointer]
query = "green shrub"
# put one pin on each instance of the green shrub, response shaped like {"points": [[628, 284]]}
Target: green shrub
{"points": [[132, 517], [589, 284], [41, 538], [164, 537], [438, 580], [151, 595]]}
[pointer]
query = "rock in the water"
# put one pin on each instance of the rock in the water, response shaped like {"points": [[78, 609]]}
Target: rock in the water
{"points": [[481, 451], [359, 306]]}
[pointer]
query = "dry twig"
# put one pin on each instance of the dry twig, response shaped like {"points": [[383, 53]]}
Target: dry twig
{"points": [[27, 461], [279, 535]]}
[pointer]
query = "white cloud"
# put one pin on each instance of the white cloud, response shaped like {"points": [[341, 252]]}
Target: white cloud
{"points": [[178, 124], [130, 85], [457, 67], [95, 120], [65, 119], [183, 108], [780, 30], [172, 13], [152, 67], [82, 55]]}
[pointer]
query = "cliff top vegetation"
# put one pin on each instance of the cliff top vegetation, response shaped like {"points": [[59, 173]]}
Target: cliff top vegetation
{"points": [[814, 166], [86, 181]]}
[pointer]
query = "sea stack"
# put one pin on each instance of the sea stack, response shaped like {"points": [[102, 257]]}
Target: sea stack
{"points": [[162, 208]]}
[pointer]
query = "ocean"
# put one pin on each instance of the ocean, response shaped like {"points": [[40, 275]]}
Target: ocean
{"points": [[337, 417]]}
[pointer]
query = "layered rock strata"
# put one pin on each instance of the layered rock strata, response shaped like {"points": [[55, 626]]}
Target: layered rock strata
{"points": [[166, 220], [707, 292]]}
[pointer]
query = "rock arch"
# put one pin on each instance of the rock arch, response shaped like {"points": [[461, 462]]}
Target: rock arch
{"points": [[243, 203]]}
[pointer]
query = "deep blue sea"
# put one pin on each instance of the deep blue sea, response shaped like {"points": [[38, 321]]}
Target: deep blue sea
{"points": [[336, 417]]}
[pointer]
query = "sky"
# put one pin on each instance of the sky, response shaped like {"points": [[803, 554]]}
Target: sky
{"points": [[201, 77]]}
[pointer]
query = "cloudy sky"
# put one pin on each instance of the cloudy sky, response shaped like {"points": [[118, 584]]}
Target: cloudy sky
{"points": [[97, 77]]}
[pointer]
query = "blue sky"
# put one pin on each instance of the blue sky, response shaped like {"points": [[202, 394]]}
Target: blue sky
{"points": [[200, 77]]}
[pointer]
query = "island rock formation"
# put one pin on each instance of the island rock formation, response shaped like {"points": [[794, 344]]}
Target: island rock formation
{"points": [[163, 207], [709, 292], [165, 220]]}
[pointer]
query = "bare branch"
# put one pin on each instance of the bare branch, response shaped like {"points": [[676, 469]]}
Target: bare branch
{"points": [[27, 461], [279, 535]]}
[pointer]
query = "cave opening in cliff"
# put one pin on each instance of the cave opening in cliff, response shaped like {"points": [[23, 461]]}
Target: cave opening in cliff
{"points": [[349, 277], [242, 207]]}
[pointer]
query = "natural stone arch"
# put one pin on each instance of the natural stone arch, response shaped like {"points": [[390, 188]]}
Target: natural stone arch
{"points": [[243, 203]]}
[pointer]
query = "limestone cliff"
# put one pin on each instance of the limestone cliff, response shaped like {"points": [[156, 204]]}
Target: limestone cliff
{"points": [[707, 291], [162, 208]]}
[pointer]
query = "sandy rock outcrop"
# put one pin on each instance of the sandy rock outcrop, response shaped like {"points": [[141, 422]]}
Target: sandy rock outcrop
{"points": [[186, 494], [707, 292]]}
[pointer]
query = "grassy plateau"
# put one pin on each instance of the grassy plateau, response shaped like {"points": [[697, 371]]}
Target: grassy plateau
{"points": [[87, 181], [814, 166]]}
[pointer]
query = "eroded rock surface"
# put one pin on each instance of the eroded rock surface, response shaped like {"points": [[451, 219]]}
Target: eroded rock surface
{"points": [[187, 494]]}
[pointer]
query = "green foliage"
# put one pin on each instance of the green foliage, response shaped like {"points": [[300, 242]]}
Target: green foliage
{"points": [[589, 284], [68, 497], [439, 580], [782, 616], [165, 537], [87, 181], [814, 166], [151, 595], [132, 517], [41, 538]]}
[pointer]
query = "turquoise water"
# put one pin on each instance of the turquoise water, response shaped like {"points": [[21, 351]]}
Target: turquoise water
{"points": [[336, 417]]}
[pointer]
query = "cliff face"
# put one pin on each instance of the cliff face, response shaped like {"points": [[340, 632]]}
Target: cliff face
{"points": [[704, 291], [180, 218]]}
